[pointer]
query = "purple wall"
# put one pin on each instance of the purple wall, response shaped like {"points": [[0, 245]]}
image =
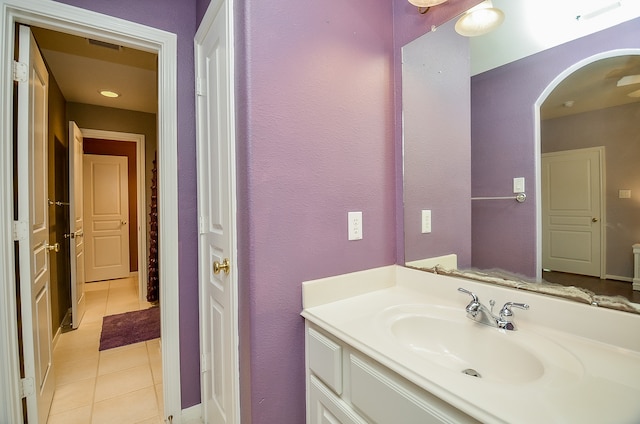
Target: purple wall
{"points": [[315, 140], [502, 145], [408, 25], [178, 18], [437, 145]]}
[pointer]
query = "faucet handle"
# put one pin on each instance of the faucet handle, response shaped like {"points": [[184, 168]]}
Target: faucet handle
{"points": [[474, 306], [506, 313], [475, 298]]}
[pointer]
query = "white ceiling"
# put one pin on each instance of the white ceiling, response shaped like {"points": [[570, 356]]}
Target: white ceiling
{"points": [[82, 69], [533, 26]]}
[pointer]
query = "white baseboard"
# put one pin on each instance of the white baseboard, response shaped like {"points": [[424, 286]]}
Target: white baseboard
{"points": [[192, 415], [619, 278]]}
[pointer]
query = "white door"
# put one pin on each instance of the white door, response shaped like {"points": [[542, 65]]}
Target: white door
{"points": [[32, 229], [76, 225], [572, 211], [216, 209], [106, 214]]}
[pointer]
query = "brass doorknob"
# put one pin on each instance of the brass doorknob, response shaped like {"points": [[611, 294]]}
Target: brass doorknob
{"points": [[225, 266], [594, 219], [52, 247]]}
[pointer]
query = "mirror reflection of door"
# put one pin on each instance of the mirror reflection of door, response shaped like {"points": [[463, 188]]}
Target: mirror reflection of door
{"points": [[572, 211], [595, 107]]}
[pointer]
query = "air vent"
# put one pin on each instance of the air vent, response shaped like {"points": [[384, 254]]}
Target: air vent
{"points": [[104, 44]]}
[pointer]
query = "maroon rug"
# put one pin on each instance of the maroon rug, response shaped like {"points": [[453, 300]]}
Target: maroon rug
{"points": [[130, 327]]}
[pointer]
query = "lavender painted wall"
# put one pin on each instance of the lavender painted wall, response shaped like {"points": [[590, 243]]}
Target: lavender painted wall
{"points": [[437, 145], [315, 140], [408, 25], [615, 128], [502, 145], [178, 18]]}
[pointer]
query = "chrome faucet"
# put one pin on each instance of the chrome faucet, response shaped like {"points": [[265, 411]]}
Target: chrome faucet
{"points": [[480, 313]]}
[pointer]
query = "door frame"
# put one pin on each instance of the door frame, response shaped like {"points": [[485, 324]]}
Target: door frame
{"points": [[140, 141], [537, 150], [73, 20]]}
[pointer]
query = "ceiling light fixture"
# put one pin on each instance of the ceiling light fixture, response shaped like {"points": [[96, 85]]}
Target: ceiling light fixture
{"points": [[109, 93], [424, 5], [628, 80], [479, 20], [634, 94]]}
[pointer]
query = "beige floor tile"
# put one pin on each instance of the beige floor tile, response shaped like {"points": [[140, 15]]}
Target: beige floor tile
{"points": [[160, 398], [129, 387], [154, 420], [120, 308], [63, 353], [122, 358], [73, 395], [74, 416], [122, 382], [94, 315], [131, 408], [97, 286], [77, 369], [155, 359]]}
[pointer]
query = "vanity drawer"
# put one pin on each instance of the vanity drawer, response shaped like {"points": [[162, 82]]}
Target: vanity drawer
{"points": [[386, 398], [325, 407], [325, 359]]}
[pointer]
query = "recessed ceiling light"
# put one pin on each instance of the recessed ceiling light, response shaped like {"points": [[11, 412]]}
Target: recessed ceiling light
{"points": [[634, 94], [109, 93], [628, 80], [569, 103]]}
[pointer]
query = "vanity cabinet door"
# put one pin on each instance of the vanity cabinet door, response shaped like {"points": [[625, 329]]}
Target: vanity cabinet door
{"points": [[386, 398], [327, 408], [325, 359]]}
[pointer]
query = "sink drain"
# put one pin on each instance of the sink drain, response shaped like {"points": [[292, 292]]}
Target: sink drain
{"points": [[472, 372]]}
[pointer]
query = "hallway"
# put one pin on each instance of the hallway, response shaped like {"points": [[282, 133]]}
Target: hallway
{"points": [[121, 385]]}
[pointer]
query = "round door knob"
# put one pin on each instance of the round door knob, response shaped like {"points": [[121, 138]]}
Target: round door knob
{"points": [[123, 222], [594, 219], [224, 266], [52, 247]]}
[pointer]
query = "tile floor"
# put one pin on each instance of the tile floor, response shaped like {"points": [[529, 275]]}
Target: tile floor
{"points": [[121, 385]]}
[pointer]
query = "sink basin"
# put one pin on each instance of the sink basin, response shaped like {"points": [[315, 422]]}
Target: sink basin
{"points": [[446, 337]]}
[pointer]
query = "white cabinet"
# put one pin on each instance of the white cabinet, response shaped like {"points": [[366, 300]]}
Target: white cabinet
{"points": [[346, 387]]}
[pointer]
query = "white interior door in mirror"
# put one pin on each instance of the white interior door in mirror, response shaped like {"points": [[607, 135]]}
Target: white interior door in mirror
{"points": [[572, 211]]}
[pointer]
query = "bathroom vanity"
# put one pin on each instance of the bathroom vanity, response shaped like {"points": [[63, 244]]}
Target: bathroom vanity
{"points": [[394, 345]]}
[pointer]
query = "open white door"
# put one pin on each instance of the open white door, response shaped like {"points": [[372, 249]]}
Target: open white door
{"points": [[216, 209], [572, 211], [32, 228], [106, 213], [76, 225]]}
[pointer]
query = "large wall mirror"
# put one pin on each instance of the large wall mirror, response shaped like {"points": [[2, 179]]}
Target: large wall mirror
{"points": [[550, 116]]}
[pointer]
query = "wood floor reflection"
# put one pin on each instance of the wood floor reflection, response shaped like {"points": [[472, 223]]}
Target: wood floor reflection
{"points": [[595, 284]]}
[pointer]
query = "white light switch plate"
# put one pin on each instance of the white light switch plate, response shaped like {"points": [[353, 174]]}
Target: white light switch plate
{"points": [[518, 185], [355, 225], [426, 221], [624, 194]]}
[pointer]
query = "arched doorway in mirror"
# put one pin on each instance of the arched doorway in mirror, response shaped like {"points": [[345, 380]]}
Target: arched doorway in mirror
{"points": [[588, 149]]}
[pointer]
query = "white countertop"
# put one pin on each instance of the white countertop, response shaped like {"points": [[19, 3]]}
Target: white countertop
{"points": [[593, 375]]}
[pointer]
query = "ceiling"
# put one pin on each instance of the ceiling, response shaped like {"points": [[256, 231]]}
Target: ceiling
{"points": [[594, 87], [83, 67]]}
